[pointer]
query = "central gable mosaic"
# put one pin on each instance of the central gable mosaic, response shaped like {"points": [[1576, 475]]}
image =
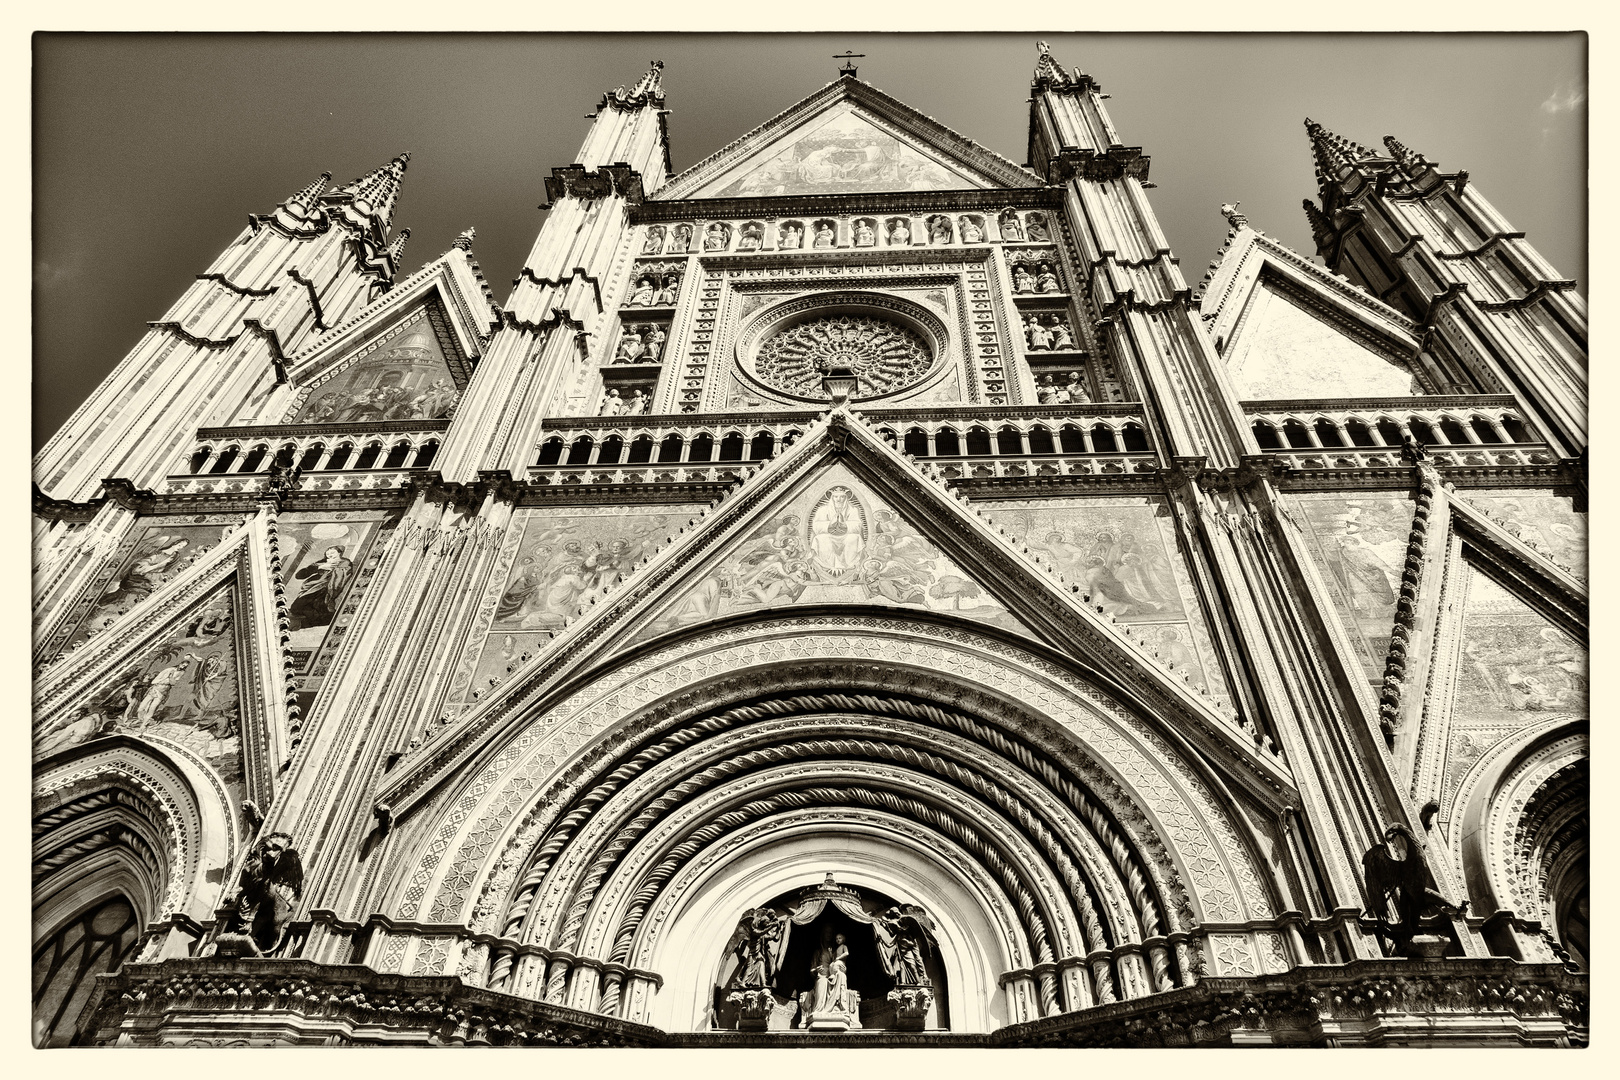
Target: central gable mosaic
{"points": [[840, 153], [402, 377]]}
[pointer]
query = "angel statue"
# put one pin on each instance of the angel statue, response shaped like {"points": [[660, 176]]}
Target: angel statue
{"points": [[754, 943], [268, 890], [903, 941], [1396, 871]]}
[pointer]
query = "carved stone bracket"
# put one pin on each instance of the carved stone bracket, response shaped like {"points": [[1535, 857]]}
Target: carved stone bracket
{"points": [[911, 1005], [1088, 164]]}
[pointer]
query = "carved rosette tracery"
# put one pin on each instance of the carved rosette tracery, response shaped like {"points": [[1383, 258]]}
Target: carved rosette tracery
{"points": [[884, 356]]}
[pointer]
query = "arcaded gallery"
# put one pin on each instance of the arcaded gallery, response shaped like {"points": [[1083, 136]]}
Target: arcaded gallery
{"points": [[853, 590]]}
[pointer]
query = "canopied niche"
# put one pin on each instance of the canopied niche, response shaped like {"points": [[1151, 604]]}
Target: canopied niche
{"points": [[830, 957]]}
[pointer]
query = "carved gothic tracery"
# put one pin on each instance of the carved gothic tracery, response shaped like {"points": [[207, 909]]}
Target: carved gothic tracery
{"points": [[884, 356]]}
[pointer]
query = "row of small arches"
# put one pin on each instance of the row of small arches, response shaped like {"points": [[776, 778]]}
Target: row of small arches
{"points": [[1010, 441], [1297, 434], [317, 457], [673, 448]]}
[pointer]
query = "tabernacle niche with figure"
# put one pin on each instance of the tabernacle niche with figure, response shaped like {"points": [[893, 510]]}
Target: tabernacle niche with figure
{"points": [[832, 958]]}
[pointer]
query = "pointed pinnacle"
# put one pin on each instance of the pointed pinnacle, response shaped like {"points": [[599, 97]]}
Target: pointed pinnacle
{"points": [[464, 242], [306, 199], [651, 83], [1409, 162], [379, 189], [1046, 68], [1321, 226], [397, 248]]}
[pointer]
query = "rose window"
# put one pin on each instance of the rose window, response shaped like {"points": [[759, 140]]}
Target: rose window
{"points": [[884, 356]]}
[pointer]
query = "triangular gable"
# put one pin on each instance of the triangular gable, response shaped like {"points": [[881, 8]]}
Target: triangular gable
{"points": [[846, 138], [1289, 329], [831, 540], [839, 448], [404, 356], [197, 664]]}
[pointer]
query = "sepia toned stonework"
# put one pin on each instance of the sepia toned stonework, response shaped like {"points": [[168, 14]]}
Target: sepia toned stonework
{"points": [[852, 591]]}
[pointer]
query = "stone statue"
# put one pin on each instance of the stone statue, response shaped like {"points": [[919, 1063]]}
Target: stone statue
{"points": [[1046, 280], [971, 233], [824, 234], [1077, 388], [1046, 393], [612, 405], [1035, 228], [631, 346], [940, 230], [655, 339], [638, 405], [905, 951], [269, 888], [680, 240], [864, 236], [900, 234], [1010, 229], [832, 975], [655, 241], [755, 943], [1060, 334], [1035, 334], [644, 294], [1022, 281], [1061, 394], [715, 237], [790, 237], [665, 297], [751, 238], [1396, 873]]}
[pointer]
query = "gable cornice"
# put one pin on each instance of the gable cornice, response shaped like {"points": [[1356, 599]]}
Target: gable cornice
{"points": [[953, 145]]}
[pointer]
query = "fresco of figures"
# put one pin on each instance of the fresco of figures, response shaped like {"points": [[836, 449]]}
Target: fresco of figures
{"points": [[835, 542], [163, 551], [1122, 551], [318, 561], [565, 554], [182, 688], [1548, 521], [845, 154], [404, 379], [1514, 669], [1360, 544]]}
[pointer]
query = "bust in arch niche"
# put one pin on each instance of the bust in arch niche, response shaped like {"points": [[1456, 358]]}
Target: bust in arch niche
{"points": [[405, 378]]}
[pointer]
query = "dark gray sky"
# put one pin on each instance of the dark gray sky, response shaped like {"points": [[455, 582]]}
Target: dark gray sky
{"points": [[151, 150]]}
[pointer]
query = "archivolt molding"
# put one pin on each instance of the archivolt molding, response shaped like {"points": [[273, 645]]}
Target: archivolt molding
{"points": [[194, 813], [1120, 753], [1492, 796]]}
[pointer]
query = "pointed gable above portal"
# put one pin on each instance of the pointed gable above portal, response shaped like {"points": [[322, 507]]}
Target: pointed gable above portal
{"points": [[845, 139]]}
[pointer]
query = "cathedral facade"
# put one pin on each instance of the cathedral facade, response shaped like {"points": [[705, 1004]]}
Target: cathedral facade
{"points": [[853, 589]]}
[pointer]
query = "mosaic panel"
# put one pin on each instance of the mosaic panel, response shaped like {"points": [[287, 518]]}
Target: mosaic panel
{"points": [[833, 542], [183, 688], [405, 377], [1123, 551], [1360, 544], [1516, 669], [320, 554], [1547, 521]]}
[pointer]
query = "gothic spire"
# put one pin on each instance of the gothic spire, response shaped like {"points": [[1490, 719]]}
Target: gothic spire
{"points": [[1321, 226], [375, 193], [1047, 71], [1333, 153], [1410, 163], [307, 198], [649, 90], [464, 242], [397, 248]]}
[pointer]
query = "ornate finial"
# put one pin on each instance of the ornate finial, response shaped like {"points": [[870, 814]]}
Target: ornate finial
{"points": [[397, 248], [1333, 153], [651, 83], [306, 198], [379, 189], [1229, 211], [1047, 71], [847, 68], [465, 241], [829, 883], [1321, 226], [1410, 163]]}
